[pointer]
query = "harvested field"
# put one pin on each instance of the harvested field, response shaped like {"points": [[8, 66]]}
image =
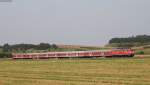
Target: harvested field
{"points": [[115, 71]]}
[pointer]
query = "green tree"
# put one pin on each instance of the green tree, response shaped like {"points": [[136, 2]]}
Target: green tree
{"points": [[6, 48]]}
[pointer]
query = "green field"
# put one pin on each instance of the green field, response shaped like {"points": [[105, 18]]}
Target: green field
{"points": [[116, 71]]}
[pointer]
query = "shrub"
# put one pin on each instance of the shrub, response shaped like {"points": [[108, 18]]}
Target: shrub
{"points": [[140, 52], [5, 55]]}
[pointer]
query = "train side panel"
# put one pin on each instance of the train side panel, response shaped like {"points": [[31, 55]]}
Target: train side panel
{"points": [[76, 54]]}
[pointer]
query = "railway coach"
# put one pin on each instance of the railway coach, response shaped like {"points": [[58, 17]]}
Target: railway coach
{"points": [[76, 54]]}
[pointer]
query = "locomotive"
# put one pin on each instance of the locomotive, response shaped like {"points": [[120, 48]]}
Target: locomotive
{"points": [[76, 54]]}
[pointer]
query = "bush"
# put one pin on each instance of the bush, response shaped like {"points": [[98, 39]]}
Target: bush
{"points": [[5, 55], [140, 52]]}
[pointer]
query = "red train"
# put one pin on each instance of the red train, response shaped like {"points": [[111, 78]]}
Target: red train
{"points": [[76, 54]]}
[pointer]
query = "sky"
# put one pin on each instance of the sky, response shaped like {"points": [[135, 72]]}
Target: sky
{"points": [[78, 22]]}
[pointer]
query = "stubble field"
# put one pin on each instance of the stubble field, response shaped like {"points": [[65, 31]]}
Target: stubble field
{"points": [[115, 71]]}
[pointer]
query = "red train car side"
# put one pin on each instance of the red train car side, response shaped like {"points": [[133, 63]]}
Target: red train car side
{"points": [[122, 53], [76, 54]]}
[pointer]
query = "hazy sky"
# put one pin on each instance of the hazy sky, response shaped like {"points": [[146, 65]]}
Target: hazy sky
{"points": [[84, 22]]}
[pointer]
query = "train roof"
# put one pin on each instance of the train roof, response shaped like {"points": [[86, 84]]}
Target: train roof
{"points": [[66, 52]]}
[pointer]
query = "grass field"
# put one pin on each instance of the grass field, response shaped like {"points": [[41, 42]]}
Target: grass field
{"points": [[118, 71]]}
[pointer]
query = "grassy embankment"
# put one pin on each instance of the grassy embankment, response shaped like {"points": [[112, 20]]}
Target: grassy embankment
{"points": [[120, 71], [143, 50]]}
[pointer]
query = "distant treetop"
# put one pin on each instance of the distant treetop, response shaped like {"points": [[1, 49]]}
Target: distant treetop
{"points": [[139, 40], [133, 39]]}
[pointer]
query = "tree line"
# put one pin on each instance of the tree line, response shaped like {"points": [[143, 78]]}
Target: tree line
{"points": [[7, 49], [24, 47], [131, 41]]}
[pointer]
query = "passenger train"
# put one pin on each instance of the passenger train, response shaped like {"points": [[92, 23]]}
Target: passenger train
{"points": [[76, 54]]}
